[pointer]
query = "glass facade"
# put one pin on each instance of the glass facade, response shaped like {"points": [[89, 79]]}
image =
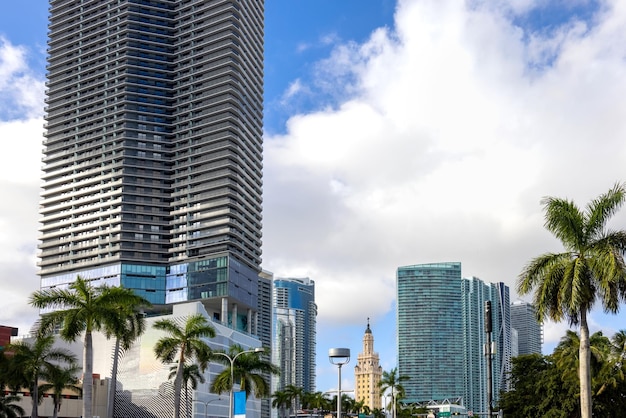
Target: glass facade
{"points": [[294, 332], [475, 294], [441, 335], [430, 331], [529, 330]]}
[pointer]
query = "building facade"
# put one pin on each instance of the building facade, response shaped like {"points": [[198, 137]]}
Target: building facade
{"points": [[152, 167], [475, 293], [294, 333], [367, 373], [430, 331], [441, 336], [529, 329]]}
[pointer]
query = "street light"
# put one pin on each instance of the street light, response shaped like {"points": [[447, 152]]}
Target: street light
{"points": [[339, 357], [206, 404], [232, 373]]}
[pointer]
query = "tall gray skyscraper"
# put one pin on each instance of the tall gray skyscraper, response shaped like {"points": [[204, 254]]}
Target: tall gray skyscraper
{"points": [[294, 322], [529, 330], [152, 167]]}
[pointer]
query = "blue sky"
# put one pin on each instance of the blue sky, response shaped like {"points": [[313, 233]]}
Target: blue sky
{"points": [[397, 133]]}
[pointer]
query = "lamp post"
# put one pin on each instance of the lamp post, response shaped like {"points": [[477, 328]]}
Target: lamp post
{"points": [[339, 357], [206, 404], [232, 373]]}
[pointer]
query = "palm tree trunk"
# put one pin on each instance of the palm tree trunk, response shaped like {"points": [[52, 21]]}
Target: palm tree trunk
{"points": [[177, 384], [35, 397], [113, 383], [584, 369], [57, 406], [88, 376]]}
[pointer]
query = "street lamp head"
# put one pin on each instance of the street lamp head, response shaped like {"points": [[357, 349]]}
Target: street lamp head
{"points": [[339, 356], [259, 350]]}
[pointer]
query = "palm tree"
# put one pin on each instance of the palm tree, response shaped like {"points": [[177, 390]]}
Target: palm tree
{"points": [[592, 268], [191, 375], [392, 381], [248, 370], [316, 400], [31, 360], [58, 379], [83, 308], [9, 408], [295, 394], [281, 401], [186, 341], [566, 357], [126, 330]]}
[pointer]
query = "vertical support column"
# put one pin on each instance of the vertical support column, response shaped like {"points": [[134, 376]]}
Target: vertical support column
{"points": [[234, 316], [249, 326], [224, 317]]}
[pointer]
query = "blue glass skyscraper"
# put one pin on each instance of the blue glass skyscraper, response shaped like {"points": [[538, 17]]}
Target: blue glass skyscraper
{"points": [[430, 331], [294, 331]]}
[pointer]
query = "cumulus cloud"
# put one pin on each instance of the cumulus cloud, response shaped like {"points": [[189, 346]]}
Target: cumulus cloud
{"points": [[21, 129], [442, 135]]}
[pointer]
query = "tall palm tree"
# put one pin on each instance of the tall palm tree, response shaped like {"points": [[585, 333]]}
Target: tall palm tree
{"points": [[295, 395], [192, 375], [392, 381], [82, 309], [282, 401], [567, 352], [9, 407], [316, 400], [249, 370], [185, 341], [567, 285], [126, 330], [58, 379], [31, 360]]}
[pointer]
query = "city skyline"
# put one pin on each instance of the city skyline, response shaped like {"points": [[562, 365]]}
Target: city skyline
{"points": [[396, 133]]}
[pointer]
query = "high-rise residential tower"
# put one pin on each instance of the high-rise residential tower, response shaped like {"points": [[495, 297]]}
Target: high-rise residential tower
{"points": [[294, 331], [430, 331], [367, 373], [475, 293], [441, 335], [529, 329], [152, 167]]}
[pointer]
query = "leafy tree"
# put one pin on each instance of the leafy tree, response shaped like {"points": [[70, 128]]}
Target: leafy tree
{"points": [[249, 370], [591, 268], [58, 379], [392, 381], [82, 309], [32, 359], [548, 386], [186, 341], [9, 407], [192, 375]]}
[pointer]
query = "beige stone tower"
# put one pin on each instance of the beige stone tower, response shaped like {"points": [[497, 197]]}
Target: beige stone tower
{"points": [[367, 373]]}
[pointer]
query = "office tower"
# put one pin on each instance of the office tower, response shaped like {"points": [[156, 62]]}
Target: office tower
{"points": [[475, 293], [367, 373], [430, 331], [529, 329], [152, 168], [294, 330]]}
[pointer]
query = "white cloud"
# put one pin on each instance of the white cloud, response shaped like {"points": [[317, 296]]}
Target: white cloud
{"points": [[21, 133], [447, 132]]}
